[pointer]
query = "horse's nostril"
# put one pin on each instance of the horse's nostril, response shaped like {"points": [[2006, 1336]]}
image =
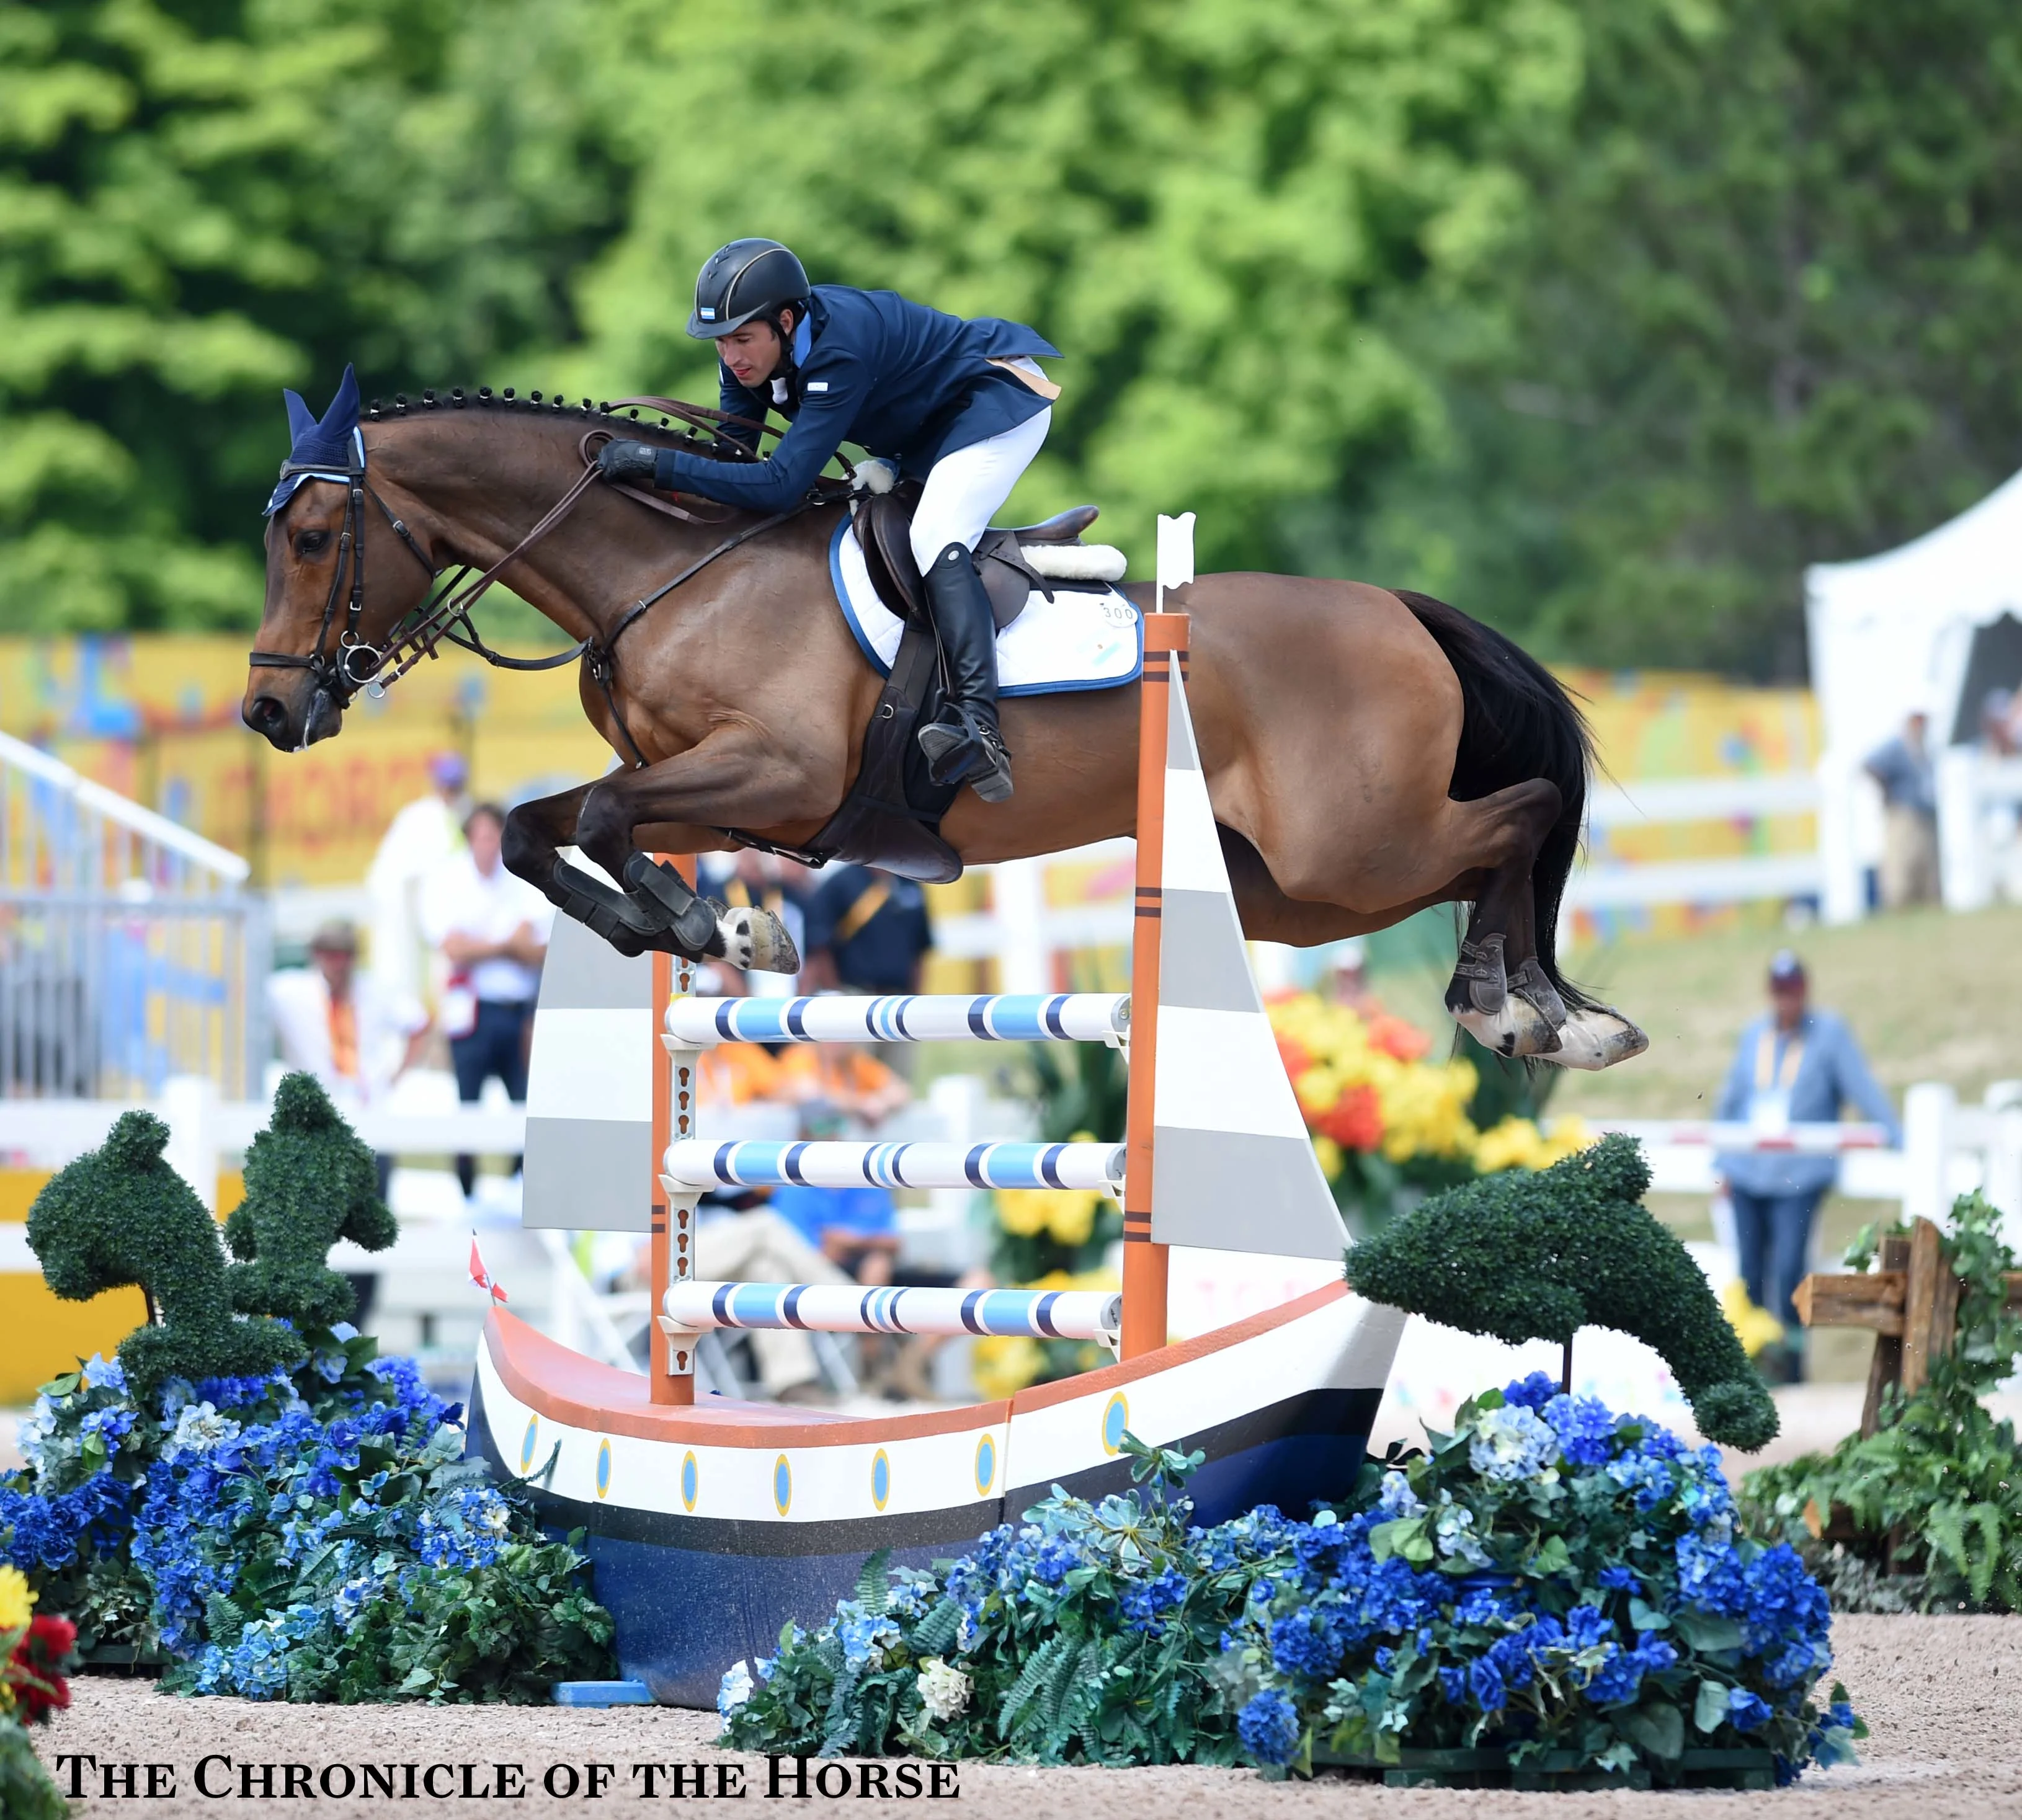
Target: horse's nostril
{"points": [[265, 714]]}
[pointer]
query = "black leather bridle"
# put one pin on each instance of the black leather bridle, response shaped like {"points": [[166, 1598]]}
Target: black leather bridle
{"points": [[443, 616]]}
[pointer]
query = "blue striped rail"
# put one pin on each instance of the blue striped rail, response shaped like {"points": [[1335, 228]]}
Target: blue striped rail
{"points": [[696, 1307], [696, 1162], [1004, 1017]]}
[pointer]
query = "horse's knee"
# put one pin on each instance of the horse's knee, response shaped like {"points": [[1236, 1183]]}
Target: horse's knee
{"points": [[526, 849], [603, 828]]}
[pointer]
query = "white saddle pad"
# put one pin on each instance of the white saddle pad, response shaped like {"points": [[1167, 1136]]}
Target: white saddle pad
{"points": [[1078, 639]]}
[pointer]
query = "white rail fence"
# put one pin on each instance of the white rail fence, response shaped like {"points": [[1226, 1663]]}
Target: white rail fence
{"points": [[129, 950]]}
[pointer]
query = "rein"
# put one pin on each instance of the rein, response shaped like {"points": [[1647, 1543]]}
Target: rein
{"points": [[445, 616]]}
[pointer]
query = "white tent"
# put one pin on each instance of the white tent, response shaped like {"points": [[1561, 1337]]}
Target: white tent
{"points": [[1890, 634]]}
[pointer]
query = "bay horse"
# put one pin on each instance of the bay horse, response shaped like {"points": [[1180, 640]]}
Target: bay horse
{"points": [[1368, 751]]}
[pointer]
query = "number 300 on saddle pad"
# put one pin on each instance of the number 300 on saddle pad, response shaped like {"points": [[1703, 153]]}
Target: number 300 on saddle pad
{"points": [[1082, 638]]}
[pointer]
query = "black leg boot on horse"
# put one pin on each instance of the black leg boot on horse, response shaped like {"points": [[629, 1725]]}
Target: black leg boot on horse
{"points": [[970, 749]]}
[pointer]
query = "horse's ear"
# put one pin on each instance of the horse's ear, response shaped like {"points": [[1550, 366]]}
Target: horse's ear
{"points": [[341, 419], [302, 420]]}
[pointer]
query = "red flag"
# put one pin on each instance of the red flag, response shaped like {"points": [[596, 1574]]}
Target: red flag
{"points": [[482, 1277]]}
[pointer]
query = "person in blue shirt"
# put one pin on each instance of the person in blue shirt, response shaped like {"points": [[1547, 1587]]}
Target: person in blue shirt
{"points": [[1794, 1065], [867, 931], [962, 405]]}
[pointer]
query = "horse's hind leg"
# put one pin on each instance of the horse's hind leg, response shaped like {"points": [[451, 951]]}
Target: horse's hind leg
{"points": [[1499, 992]]}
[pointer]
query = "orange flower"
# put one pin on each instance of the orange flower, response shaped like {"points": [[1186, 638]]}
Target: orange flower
{"points": [[1394, 1037], [1295, 1056], [1354, 1121]]}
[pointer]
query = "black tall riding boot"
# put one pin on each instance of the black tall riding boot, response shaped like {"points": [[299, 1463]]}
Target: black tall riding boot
{"points": [[968, 748]]}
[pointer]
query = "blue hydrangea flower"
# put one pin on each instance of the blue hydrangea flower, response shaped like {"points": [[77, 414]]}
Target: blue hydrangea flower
{"points": [[1269, 1727], [1512, 1443], [1532, 1392], [1306, 1643], [1397, 1499], [1746, 1711], [1585, 1427]]}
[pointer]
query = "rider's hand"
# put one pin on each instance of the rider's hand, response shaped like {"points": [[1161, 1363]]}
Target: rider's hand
{"points": [[630, 462]]}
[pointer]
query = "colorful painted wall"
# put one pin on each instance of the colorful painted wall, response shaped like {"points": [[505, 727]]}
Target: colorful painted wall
{"points": [[157, 719]]}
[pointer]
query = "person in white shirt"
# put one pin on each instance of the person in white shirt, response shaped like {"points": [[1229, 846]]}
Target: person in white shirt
{"points": [[492, 929], [424, 834], [343, 1026]]}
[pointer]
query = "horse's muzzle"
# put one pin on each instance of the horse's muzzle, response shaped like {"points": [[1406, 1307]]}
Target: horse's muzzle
{"points": [[270, 716]]}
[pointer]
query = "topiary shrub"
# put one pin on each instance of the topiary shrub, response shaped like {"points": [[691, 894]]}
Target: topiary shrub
{"points": [[1539, 1256], [309, 1182], [120, 1214]]}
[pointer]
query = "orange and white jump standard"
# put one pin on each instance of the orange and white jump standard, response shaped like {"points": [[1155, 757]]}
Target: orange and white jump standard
{"points": [[711, 1522]]}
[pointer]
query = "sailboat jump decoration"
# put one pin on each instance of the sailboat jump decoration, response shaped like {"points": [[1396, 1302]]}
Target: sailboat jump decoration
{"points": [[709, 1522]]}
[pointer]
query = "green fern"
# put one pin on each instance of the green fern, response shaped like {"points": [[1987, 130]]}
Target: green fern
{"points": [[1037, 1672], [873, 1584], [938, 1629]]}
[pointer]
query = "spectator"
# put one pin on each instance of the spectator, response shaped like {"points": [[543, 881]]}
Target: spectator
{"points": [[867, 931], [1794, 1065], [341, 1024], [744, 1240], [492, 930], [420, 838], [1901, 767]]}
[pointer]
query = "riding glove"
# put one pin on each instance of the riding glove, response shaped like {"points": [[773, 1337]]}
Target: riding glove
{"points": [[630, 462]]}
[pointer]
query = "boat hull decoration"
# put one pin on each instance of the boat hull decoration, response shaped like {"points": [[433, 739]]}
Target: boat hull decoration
{"points": [[709, 1527]]}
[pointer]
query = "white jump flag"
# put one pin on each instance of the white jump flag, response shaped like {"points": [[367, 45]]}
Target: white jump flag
{"points": [[1235, 1169], [1176, 553]]}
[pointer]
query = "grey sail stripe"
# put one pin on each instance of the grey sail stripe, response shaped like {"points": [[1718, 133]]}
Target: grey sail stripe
{"points": [[584, 972], [1202, 964], [1181, 753], [588, 1175], [1231, 1191]]}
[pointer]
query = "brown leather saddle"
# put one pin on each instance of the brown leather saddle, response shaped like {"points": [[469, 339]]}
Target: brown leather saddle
{"points": [[884, 527], [891, 817]]}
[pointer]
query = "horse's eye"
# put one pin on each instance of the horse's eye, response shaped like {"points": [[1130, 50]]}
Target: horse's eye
{"points": [[311, 543]]}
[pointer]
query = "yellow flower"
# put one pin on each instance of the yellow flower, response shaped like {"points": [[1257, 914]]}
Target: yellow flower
{"points": [[1003, 1365], [1755, 1328], [1024, 1213], [17, 1603], [1072, 1218], [1327, 1153]]}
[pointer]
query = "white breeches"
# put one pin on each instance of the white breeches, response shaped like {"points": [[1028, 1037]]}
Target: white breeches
{"points": [[965, 487]]}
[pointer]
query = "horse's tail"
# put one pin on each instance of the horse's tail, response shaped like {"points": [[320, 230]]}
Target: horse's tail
{"points": [[1517, 724]]}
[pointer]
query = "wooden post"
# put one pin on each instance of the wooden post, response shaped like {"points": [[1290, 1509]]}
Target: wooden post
{"points": [[1145, 1264], [1885, 1366], [1911, 1304], [663, 1384]]}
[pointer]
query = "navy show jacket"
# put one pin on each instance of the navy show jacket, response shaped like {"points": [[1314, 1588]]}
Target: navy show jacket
{"points": [[897, 378]]}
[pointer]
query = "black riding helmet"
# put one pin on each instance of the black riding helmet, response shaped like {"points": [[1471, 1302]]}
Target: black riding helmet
{"points": [[745, 280]]}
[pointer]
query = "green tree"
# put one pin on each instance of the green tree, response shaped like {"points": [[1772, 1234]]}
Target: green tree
{"points": [[1761, 316], [1209, 206], [202, 201]]}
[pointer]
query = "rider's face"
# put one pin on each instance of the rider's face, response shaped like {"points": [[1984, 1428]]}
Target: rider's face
{"points": [[753, 353]]}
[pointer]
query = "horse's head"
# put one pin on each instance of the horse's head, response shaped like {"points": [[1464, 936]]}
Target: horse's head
{"points": [[338, 579]]}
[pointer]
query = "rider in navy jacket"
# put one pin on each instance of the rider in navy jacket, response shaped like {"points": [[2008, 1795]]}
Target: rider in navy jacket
{"points": [[896, 378], [959, 404]]}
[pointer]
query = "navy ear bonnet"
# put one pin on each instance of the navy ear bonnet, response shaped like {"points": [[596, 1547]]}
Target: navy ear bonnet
{"points": [[332, 449]]}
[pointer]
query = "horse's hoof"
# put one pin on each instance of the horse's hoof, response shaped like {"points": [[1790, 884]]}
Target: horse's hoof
{"points": [[1515, 1032], [1531, 983], [1597, 1038], [757, 940]]}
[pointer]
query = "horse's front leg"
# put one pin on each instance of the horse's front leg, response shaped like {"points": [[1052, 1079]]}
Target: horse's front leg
{"points": [[732, 779], [535, 833]]}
